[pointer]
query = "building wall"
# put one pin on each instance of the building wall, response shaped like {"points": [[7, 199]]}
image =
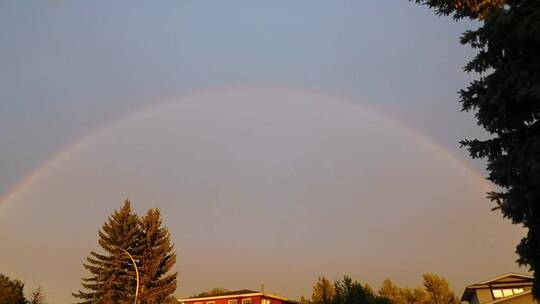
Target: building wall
{"points": [[484, 295], [254, 300], [525, 299]]}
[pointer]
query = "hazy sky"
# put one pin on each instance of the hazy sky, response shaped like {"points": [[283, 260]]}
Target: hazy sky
{"points": [[346, 161]]}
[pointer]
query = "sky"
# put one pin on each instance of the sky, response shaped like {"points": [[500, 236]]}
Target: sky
{"points": [[302, 138]]}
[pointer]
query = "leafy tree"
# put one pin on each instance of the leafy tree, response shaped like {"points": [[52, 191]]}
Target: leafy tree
{"points": [[435, 291], [438, 290], [391, 292], [37, 296], [11, 291], [157, 257], [506, 102], [348, 291], [323, 292], [398, 295], [304, 300], [112, 277], [344, 291], [416, 295]]}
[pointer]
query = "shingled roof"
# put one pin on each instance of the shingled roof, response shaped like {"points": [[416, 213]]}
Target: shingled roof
{"points": [[228, 293]]}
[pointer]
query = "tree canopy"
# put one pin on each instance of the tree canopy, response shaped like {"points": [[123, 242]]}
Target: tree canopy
{"points": [[112, 274], [435, 290], [11, 291], [344, 291], [323, 291], [113, 278], [474, 9], [157, 257], [506, 101]]}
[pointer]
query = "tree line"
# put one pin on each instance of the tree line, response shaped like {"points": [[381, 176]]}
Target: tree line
{"points": [[12, 292], [435, 290]]}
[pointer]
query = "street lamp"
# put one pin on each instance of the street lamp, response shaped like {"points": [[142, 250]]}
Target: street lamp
{"points": [[136, 272]]}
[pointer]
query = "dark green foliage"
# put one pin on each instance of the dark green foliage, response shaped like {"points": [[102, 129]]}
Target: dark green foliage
{"points": [[112, 274], [113, 277], [506, 102], [348, 291], [345, 291], [157, 257], [11, 291], [474, 9]]}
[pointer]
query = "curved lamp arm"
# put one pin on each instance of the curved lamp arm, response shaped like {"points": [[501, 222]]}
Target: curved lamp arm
{"points": [[136, 272]]}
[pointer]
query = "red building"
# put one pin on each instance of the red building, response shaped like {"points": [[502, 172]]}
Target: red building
{"points": [[240, 297]]}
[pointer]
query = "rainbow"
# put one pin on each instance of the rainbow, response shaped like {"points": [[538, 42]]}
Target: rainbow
{"points": [[416, 134]]}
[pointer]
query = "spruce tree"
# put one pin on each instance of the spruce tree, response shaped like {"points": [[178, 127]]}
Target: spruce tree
{"points": [[112, 275], [506, 101], [157, 257]]}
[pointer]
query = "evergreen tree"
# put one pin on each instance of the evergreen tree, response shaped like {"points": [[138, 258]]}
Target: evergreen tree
{"points": [[11, 291], [506, 102], [37, 296], [157, 257], [113, 277]]}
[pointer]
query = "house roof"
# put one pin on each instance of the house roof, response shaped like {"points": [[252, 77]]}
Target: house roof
{"points": [[242, 293], [506, 280], [507, 275], [229, 293]]}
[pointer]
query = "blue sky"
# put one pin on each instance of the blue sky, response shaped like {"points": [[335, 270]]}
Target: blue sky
{"points": [[83, 71], [69, 67]]}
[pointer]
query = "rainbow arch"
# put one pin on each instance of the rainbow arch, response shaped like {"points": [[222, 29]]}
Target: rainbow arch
{"points": [[215, 92]]}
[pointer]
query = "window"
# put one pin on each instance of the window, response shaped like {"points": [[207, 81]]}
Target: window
{"points": [[211, 302], [265, 301], [497, 293], [233, 301], [246, 301], [502, 293]]}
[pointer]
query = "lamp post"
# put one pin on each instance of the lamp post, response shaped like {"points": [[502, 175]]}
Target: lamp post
{"points": [[136, 272]]}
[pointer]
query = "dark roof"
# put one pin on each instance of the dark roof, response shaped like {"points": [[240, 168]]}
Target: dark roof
{"points": [[228, 293]]}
